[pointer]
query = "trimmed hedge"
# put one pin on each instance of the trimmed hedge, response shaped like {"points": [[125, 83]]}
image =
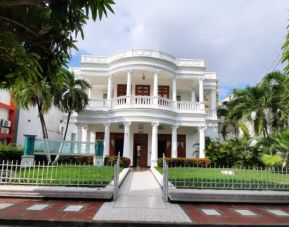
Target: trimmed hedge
{"points": [[124, 161], [178, 162], [13, 153]]}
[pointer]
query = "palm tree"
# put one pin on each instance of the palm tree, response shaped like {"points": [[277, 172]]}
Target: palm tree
{"points": [[34, 93], [252, 103], [278, 83], [228, 121], [71, 96]]}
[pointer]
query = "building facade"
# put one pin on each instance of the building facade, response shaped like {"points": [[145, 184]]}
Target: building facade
{"points": [[7, 117], [143, 103]]}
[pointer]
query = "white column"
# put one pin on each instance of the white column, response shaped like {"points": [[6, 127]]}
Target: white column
{"points": [[106, 143], [154, 154], [193, 96], [109, 90], [156, 87], [174, 141], [79, 132], [89, 93], [126, 143], [201, 90], [213, 103], [128, 86], [174, 92], [201, 142]]}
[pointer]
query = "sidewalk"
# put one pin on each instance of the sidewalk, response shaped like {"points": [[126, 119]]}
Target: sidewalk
{"points": [[140, 200]]}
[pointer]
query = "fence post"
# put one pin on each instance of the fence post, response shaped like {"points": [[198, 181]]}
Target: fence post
{"points": [[116, 177], [165, 179], [27, 159]]}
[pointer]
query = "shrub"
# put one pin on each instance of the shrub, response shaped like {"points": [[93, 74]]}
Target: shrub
{"points": [[88, 160], [111, 160], [10, 153], [202, 162]]}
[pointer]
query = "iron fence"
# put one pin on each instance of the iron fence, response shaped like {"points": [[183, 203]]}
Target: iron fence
{"points": [[79, 175], [212, 177]]}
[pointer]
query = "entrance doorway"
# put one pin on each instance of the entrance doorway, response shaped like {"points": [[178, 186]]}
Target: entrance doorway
{"points": [[118, 144], [140, 147]]}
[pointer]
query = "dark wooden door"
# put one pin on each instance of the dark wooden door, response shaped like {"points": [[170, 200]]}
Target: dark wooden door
{"points": [[142, 90], [115, 141], [164, 145], [141, 144], [164, 91], [121, 90], [181, 146]]}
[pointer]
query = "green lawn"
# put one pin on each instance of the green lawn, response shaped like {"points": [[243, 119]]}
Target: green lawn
{"points": [[66, 175], [206, 178]]}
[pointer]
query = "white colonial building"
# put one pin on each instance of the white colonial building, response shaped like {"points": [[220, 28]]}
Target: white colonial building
{"points": [[146, 103]]}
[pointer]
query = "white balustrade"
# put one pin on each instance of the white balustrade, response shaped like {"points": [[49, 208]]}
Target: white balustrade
{"points": [[118, 101], [142, 100], [145, 101], [165, 103], [95, 104]]}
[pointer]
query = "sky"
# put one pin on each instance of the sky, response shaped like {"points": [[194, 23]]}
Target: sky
{"points": [[240, 40]]}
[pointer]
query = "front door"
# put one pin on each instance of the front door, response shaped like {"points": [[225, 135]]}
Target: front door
{"points": [[164, 91], [140, 147], [142, 90], [121, 90]]}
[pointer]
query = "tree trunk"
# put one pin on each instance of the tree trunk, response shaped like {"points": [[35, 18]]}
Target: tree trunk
{"points": [[64, 137], [67, 123], [44, 129]]}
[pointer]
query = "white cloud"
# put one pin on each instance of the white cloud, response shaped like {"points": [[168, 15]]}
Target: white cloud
{"points": [[236, 38]]}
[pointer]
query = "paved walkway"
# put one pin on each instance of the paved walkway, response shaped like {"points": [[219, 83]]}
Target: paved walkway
{"points": [[140, 200]]}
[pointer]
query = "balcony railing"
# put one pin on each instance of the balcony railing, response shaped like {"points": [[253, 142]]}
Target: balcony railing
{"points": [[145, 102]]}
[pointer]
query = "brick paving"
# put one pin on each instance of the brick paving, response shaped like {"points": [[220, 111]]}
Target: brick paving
{"points": [[242, 214], [21, 209], [80, 211]]}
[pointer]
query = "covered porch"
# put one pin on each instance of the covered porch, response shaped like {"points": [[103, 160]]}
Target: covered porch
{"points": [[147, 140]]}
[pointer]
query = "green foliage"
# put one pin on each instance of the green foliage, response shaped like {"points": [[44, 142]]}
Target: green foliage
{"points": [[233, 152], [271, 160], [285, 55], [176, 162], [264, 106], [14, 153], [244, 179], [111, 160], [36, 37], [10, 153]]}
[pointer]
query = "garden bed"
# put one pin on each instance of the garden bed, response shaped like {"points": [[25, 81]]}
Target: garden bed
{"points": [[62, 175], [213, 178]]}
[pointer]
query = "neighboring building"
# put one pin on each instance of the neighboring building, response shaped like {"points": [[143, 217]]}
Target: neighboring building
{"points": [[7, 117], [29, 123], [146, 103]]}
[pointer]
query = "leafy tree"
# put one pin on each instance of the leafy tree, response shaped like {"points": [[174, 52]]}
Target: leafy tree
{"points": [[285, 56], [69, 97], [34, 93], [36, 36], [278, 84], [252, 103], [277, 144]]}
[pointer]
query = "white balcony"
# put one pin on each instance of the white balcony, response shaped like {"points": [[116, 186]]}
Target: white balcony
{"points": [[145, 102]]}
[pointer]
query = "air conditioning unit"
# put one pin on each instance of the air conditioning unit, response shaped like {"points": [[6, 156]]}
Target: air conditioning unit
{"points": [[4, 130], [6, 123]]}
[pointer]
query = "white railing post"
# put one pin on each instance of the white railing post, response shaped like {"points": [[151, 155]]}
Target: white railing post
{"points": [[165, 180], [116, 177]]}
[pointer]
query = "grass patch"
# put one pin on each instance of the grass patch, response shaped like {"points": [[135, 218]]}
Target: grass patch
{"points": [[212, 178], [65, 175]]}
